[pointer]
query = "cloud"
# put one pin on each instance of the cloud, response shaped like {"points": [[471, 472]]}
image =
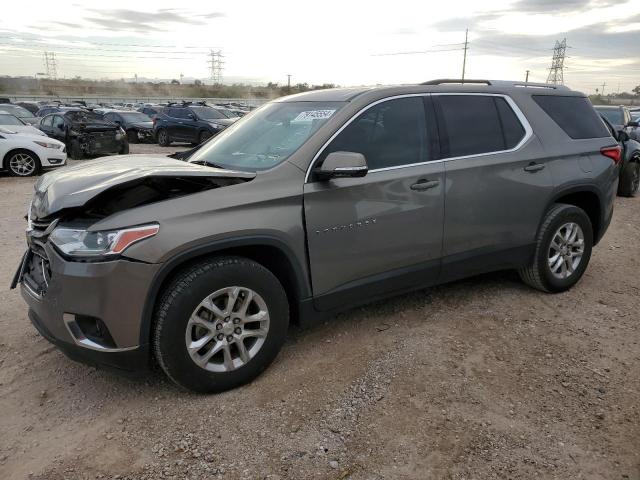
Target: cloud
{"points": [[123, 19], [459, 24]]}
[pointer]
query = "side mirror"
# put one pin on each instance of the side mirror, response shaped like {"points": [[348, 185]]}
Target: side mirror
{"points": [[191, 116], [633, 124], [622, 136], [342, 165]]}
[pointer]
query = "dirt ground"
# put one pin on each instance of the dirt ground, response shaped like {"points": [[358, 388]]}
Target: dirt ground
{"points": [[482, 378]]}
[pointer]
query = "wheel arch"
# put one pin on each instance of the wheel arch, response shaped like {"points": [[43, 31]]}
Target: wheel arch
{"points": [[270, 252], [588, 198]]}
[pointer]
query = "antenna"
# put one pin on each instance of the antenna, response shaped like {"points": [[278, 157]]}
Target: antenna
{"points": [[556, 71]]}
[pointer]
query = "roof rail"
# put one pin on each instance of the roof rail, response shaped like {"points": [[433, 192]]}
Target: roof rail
{"points": [[440, 81]]}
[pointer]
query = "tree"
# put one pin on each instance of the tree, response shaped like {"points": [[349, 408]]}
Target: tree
{"points": [[636, 90], [175, 82], [197, 82]]}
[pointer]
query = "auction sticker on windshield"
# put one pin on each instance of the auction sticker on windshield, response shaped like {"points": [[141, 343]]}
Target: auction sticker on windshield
{"points": [[313, 115]]}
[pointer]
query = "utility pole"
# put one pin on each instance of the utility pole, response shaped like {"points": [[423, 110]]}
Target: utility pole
{"points": [[556, 71], [50, 64], [464, 58], [288, 83], [604, 84], [526, 78]]}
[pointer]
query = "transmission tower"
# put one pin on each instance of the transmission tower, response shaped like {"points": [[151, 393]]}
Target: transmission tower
{"points": [[215, 65], [50, 64], [556, 71]]}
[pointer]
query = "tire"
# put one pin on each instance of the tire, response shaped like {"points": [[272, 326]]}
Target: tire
{"points": [[22, 163], [75, 152], [163, 138], [132, 136], [124, 150], [203, 137], [185, 296], [539, 274], [630, 179]]}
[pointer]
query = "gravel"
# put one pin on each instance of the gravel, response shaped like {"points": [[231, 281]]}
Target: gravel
{"points": [[482, 378]]}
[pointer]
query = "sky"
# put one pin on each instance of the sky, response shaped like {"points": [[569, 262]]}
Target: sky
{"points": [[340, 42]]}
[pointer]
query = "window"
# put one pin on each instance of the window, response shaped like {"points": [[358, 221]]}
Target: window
{"points": [[6, 119], [207, 113], [178, 112], [46, 121], [58, 122], [389, 134], [574, 115], [476, 124]]}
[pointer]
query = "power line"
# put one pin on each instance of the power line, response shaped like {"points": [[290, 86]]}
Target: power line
{"points": [[415, 52], [47, 41]]}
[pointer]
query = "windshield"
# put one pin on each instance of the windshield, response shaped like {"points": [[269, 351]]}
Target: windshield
{"points": [[614, 115], [267, 137], [82, 116], [207, 113], [10, 120], [16, 110], [635, 116], [135, 117]]}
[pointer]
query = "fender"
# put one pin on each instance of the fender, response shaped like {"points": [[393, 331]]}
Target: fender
{"points": [[302, 282]]}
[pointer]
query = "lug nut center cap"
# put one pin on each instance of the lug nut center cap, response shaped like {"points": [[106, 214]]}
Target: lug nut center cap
{"points": [[227, 328]]}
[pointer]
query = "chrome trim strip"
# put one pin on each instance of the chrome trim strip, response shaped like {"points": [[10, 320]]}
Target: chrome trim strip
{"points": [[528, 131], [82, 341]]}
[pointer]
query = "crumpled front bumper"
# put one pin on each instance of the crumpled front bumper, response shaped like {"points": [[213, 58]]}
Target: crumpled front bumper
{"points": [[71, 295]]}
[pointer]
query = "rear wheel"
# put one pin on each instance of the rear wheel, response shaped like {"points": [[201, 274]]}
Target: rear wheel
{"points": [[630, 179], [22, 163], [163, 138], [219, 324], [563, 250]]}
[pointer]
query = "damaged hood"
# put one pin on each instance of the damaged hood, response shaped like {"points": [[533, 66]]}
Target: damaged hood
{"points": [[72, 187]]}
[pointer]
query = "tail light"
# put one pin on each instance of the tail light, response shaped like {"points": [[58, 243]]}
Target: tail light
{"points": [[614, 153]]}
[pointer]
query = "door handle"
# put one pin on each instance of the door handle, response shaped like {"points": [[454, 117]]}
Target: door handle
{"points": [[423, 184], [534, 167]]}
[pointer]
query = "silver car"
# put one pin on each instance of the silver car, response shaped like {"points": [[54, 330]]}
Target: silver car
{"points": [[309, 205]]}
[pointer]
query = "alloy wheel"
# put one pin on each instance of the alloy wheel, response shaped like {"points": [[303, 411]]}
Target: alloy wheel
{"points": [[22, 164], [566, 250], [227, 329]]}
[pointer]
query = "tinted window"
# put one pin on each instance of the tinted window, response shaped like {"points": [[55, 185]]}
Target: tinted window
{"points": [[512, 129], [46, 121], [207, 113], [471, 125], [574, 115], [10, 120], [389, 134], [58, 122]]}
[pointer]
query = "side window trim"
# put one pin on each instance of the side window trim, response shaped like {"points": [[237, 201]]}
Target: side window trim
{"points": [[430, 116]]}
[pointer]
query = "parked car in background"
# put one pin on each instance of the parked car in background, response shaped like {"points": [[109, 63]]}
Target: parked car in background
{"points": [[192, 123], [48, 109], [22, 113], [314, 203], [151, 110], [15, 124], [33, 107], [620, 118], [85, 133], [137, 125], [629, 183], [24, 155]]}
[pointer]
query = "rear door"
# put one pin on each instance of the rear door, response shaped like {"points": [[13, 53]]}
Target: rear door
{"points": [[58, 129], [498, 183], [383, 232]]}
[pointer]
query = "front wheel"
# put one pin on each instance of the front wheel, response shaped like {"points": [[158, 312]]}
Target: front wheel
{"points": [[163, 138], [630, 179], [22, 163], [219, 324], [563, 250]]}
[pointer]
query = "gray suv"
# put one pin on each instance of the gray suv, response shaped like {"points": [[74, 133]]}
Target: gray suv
{"points": [[311, 204]]}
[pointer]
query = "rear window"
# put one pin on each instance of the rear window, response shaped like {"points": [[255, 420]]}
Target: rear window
{"points": [[574, 115], [476, 124]]}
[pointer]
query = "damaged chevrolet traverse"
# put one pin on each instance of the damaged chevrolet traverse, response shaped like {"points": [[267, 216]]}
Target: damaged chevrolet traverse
{"points": [[309, 205]]}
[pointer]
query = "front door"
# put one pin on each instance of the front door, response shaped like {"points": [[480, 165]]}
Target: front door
{"points": [[381, 233]]}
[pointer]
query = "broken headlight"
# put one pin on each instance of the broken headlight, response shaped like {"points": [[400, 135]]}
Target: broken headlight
{"points": [[83, 243]]}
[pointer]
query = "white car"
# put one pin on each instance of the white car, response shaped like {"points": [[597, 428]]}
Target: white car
{"points": [[13, 123], [23, 155]]}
